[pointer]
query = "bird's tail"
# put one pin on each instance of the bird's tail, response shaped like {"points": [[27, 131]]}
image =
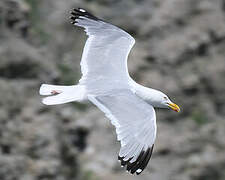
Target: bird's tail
{"points": [[61, 94]]}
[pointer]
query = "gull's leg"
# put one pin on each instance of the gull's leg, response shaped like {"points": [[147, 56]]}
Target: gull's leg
{"points": [[55, 92]]}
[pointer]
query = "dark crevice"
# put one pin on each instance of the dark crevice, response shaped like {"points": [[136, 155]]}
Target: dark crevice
{"points": [[5, 148], [70, 163], [191, 91], [164, 152], [78, 137], [202, 49], [207, 85], [150, 59], [16, 70], [210, 172], [15, 18]]}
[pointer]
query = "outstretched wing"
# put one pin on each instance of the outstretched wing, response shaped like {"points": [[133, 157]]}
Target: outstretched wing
{"points": [[104, 59], [135, 124]]}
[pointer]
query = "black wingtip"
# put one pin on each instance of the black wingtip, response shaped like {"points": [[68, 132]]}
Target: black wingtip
{"points": [[77, 12], [141, 162], [145, 162]]}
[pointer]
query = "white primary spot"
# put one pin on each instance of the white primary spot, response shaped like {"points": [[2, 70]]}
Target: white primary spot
{"points": [[82, 10], [139, 170]]}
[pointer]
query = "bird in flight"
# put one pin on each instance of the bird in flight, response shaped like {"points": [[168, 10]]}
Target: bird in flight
{"points": [[106, 83]]}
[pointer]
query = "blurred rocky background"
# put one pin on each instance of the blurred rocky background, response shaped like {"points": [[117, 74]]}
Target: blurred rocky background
{"points": [[180, 49]]}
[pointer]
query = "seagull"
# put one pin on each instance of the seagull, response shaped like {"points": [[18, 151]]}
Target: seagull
{"points": [[106, 83]]}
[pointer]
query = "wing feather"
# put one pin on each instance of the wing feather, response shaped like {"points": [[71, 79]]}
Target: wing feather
{"points": [[104, 58], [135, 124]]}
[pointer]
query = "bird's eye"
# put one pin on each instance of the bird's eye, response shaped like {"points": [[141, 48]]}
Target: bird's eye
{"points": [[165, 98]]}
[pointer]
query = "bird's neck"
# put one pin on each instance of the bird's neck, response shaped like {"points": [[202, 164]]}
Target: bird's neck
{"points": [[149, 95]]}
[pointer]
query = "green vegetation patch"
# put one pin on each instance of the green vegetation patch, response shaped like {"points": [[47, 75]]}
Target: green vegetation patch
{"points": [[199, 117], [89, 175], [80, 106], [36, 22], [67, 74]]}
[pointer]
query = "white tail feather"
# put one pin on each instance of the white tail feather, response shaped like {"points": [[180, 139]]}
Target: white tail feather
{"points": [[46, 89], [62, 94]]}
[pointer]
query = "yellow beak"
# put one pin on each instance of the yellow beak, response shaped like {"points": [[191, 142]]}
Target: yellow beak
{"points": [[174, 107]]}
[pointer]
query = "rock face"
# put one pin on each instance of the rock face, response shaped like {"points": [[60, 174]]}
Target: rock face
{"points": [[180, 49]]}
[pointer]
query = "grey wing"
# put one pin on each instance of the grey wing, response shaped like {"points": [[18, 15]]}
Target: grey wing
{"points": [[135, 124], [104, 58]]}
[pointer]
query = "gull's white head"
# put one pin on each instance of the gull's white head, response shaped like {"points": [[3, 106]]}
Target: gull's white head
{"points": [[162, 101], [157, 98]]}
